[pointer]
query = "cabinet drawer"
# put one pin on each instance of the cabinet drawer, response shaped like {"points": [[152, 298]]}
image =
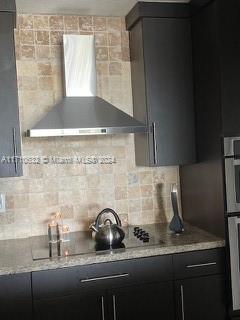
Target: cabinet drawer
{"points": [[199, 263], [100, 276]]}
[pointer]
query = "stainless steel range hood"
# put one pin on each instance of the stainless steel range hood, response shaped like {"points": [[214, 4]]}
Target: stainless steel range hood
{"points": [[81, 112]]}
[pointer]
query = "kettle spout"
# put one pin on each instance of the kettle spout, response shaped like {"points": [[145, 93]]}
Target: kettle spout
{"points": [[93, 227]]}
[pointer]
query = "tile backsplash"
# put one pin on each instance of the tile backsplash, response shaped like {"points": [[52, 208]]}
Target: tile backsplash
{"points": [[139, 194]]}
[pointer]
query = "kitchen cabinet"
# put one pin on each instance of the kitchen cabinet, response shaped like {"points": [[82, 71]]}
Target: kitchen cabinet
{"points": [[143, 302], [10, 138], [8, 6], [216, 52], [135, 289], [162, 83], [105, 290], [201, 298], [74, 307], [16, 297], [200, 285]]}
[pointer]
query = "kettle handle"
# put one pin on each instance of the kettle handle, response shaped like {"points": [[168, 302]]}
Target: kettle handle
{"points": [[113, 213]]}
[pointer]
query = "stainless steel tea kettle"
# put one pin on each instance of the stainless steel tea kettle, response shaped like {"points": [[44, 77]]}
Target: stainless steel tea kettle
{"points": [[108, 233]]}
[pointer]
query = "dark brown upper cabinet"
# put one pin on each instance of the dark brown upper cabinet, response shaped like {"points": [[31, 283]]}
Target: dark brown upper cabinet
{"points": [[10, 138], [216, 61], [162, 82], [216, 52]]}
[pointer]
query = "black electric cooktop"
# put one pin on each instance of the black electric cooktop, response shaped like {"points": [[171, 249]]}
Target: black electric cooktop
{"points": [[83, 243]]}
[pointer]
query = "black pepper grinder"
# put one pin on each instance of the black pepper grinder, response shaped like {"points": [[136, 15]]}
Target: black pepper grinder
{"points": [[176, 225]]}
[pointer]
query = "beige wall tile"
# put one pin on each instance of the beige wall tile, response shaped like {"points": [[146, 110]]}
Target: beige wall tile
{"points": [[41, 22], [134, 205], [139, 195], [125, 54], [115, 54], [56, 23], [44, 69], [99, 23], [147, 190], [17, 43], [114, 24], [86, 23], [43, 52], [71, 23], [21, 201], [46, 83], [146, 177], [26, 68], [102, 54], [121, 193], [101, 39], [26, 36], [25, 21], [115, 68], [147, 204], [27, 52], [28, 83], [42, 37], [114, 38], [67, 212], [120, 179], [56, 37]]}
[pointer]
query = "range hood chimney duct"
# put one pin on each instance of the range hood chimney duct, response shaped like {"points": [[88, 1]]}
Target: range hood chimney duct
{"points": [[81, 112]]}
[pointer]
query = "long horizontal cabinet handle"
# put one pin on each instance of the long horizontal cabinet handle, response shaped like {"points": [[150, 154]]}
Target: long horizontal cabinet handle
{"points": [[105, 278], [202, 265]]}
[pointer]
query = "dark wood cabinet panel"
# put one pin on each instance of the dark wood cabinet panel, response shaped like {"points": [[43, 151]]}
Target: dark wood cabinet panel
{"points": [[16, 297], [205, 179], [69, 281], [74, 307], [228, 12], [201, 298], [10, 139], [169, 88], [162, 82], [8, 5], [199, 263], [132, 289], [142, 302]]}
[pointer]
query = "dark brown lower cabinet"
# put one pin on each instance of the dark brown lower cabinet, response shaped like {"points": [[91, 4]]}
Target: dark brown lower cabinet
{"points": [[185, 286], [202, 298], [74, 307], [138, 302], [148, 301], [15, 297]]}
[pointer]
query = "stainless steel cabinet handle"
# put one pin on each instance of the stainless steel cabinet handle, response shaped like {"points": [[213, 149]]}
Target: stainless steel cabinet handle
{"points": [[154, 143], [114, 308], [105, 278], [182, 303], [103, 309], [201, 265], [15, 150]]}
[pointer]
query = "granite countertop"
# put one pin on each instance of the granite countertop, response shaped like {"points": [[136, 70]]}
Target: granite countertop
{"points": [[17, 256]]}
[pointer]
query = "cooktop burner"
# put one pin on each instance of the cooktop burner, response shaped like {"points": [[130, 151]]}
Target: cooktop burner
{"points": [[82, 243]]}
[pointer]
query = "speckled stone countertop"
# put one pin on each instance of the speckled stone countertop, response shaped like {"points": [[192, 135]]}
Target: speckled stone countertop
{"points": [[16, 256]]}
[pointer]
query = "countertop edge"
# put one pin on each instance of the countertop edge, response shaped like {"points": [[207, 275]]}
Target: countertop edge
{"points": [[88, 259]]}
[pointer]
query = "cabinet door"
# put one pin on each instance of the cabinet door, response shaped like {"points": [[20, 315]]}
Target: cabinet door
{"points": [[229, 25], [74, 307], [147, 301], [162, 82], [201, 298], [10, 140], [169, 89], [15, 297]]}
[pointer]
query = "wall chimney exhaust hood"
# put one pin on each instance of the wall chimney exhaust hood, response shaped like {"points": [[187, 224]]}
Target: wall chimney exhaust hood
{"points": [[81, 112]]}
